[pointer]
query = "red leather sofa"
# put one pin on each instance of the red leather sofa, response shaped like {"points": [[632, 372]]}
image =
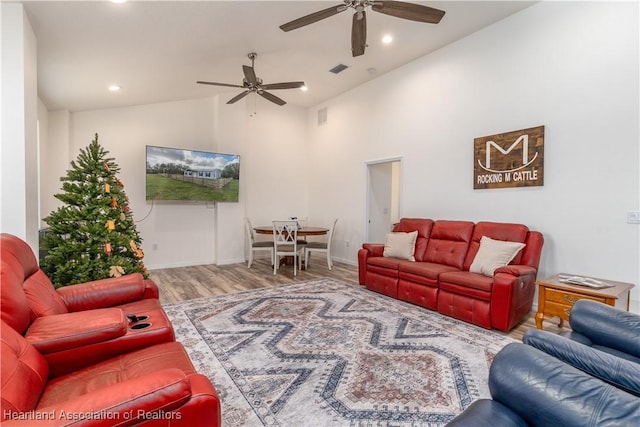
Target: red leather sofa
{"points": [[439, 278], [75, 350], [154, 386], [77, 325]]}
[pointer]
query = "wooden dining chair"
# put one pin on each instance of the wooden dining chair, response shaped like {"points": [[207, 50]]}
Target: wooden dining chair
{"points": [[285, 242], [257, 245], [320, 247]]}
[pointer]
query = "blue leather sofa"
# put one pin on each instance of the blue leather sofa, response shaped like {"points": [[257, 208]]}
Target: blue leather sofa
{"points": [[532, 388], [590, 376]]}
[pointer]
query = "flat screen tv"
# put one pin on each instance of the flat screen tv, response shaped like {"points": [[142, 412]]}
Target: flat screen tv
{"points": [[178, 174]]}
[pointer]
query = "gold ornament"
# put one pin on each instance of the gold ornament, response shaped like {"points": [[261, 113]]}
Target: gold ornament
{"points": [[139, 253], [107, 248], [122, 216], [116, 271], [111, 225], [133, 246]]}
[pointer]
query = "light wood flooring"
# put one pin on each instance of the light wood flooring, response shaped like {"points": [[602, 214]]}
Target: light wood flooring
{"points": [[183, 283]]}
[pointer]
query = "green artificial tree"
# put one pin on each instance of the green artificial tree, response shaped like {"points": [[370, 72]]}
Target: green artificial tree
{"points": [[93, 235]]}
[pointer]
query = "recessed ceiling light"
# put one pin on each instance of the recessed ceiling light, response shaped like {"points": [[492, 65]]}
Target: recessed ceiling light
{"points": [[387, 39], [114, 88], [118, 1], [304, 88]]}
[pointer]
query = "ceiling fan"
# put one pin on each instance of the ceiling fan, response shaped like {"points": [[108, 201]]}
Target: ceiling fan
{"points": [[251, 83], [399, 9]]}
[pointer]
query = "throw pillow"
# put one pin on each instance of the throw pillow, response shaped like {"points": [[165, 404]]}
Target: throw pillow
{"points": [[400, 245], [493, 254]]}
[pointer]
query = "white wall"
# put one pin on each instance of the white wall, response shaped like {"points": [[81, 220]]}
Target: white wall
{"points": [[570, 66], [273, 184], [54, 158], [577, 75], [18, 122]]}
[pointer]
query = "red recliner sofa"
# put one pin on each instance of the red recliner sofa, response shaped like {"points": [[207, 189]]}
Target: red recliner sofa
{"points": [[73, 356], [154, 386], [439, 278], [77, 325]]}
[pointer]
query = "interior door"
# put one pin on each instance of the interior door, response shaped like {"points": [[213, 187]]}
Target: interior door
{"points": [[383, 207]]}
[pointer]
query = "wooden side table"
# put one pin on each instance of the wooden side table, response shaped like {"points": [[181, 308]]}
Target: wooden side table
{"points": [[556, 298]]}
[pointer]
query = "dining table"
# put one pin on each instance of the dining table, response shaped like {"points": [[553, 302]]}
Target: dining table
{"points": [[302, 232]]}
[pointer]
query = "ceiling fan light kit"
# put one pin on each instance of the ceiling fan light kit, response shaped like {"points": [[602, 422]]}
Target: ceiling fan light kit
{"points": [[399, 9], [252, 84]]}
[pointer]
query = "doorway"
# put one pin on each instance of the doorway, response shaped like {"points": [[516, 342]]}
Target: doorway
{"points": [[383, 194]]}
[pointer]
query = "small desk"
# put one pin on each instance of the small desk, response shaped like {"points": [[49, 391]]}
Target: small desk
{"points": [[556, 298], [302, 231]]}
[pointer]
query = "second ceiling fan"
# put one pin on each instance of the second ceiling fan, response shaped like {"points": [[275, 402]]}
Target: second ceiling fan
{"points": [[252, 83], [399, 9]]}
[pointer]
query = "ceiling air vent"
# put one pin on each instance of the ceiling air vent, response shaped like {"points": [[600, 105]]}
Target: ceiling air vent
{"points": [[338, 68]]}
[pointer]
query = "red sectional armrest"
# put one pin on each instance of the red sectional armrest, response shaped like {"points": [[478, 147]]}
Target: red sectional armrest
{"points": [[105, 292], [512, 295], [375, 249], [516, 270], [59, 332], [203, 409], [368, 250]]}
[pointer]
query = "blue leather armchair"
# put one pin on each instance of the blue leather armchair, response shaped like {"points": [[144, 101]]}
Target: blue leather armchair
{"points": [[605, 328], [531, 388], [619, 372]]}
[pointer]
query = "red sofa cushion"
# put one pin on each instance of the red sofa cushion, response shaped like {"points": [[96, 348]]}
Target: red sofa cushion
{"points": [[449, 242], [423, 227], [497, 231], [13, 301], [118, 369]]}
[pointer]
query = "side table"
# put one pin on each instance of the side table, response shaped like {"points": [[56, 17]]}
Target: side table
{"points": [[556, 298]]}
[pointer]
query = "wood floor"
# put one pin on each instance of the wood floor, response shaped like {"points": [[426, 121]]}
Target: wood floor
{"points": [[178, 284]]}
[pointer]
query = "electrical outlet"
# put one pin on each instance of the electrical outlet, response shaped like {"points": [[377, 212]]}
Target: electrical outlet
{"points": [[633, 217], [346, 243]]}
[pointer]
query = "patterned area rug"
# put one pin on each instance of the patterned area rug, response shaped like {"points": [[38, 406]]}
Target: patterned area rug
{"points": [[325, 353]]}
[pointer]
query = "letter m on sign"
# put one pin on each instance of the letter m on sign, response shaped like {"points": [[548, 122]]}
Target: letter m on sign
{"points": [[506, 153]]}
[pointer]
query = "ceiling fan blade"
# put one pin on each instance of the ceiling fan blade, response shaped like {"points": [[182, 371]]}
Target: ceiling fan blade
{"points": [[411, 11], [314, 17], [287, 85], [238, 97], [358, 33], [217, 84], [271, 97], [250, 75]]}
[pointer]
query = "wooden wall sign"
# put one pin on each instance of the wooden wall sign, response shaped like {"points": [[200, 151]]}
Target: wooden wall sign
{"points": [[511, 159]]}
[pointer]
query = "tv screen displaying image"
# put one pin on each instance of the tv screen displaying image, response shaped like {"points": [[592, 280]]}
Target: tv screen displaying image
{"points": [[178, 174]]}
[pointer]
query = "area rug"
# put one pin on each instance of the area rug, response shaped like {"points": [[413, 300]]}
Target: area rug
{"points": [[325, 353]]}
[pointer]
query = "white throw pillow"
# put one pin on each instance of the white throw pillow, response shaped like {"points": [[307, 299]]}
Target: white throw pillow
{"points": [[493, 254], [400, 245]]}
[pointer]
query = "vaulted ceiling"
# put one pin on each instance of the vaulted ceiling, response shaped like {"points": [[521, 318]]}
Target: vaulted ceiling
{"points": [[157, 50]]}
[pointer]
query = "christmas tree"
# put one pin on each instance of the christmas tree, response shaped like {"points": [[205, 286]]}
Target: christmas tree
{"points": [[93, 236]]}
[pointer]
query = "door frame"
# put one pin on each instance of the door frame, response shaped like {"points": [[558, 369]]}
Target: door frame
{"points": [[367, 165]]}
